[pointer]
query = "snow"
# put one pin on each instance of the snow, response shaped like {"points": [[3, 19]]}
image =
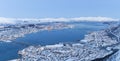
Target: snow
{"points": [[13, 60], [84, 41], [99, 44], [115, 57], [54, 46]]}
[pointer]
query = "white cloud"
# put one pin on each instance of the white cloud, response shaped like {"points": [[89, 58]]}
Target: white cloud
{"points": [[95, 19], [4, 20]]}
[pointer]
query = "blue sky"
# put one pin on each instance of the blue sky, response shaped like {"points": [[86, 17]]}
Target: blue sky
{"points": [[59, 8]]}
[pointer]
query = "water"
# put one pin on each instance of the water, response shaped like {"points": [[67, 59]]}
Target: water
{"points": [[9, 51]]}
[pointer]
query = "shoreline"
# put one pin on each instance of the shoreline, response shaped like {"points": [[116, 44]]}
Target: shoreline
{"points": [[95, 45], [20, 31]]}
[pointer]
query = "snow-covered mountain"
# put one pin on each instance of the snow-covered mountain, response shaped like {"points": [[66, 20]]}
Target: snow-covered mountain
{"points": [[96, 45]]}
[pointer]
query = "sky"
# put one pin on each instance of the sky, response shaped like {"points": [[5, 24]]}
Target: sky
{"points": [[59, 8]]}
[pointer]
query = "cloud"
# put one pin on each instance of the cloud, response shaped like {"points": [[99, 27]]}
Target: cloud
{"points": [[4, 20], [95, 19]]}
